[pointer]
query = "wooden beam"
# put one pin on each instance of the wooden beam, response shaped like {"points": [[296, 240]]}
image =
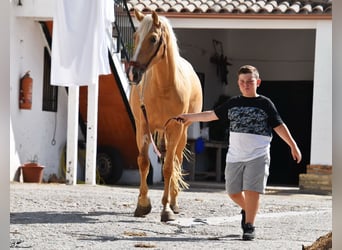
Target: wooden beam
{"points": [[91, 148], [72, 136]]}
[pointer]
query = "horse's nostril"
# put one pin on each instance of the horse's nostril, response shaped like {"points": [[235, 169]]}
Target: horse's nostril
{"points": [[137, 73]]}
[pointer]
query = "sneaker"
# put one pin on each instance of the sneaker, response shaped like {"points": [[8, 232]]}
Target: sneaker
{"points": [[248, 232], [243, 219]]}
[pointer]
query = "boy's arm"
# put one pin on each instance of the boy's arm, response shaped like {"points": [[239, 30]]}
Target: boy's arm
{"points": [[285, 134], [205, 116]]}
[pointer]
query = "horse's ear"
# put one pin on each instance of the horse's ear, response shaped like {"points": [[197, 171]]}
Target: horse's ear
{"points": [[155, 18], [140, 16]]}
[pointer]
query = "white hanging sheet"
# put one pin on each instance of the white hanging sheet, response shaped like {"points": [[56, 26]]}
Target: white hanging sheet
{"points": [[79, 41]]}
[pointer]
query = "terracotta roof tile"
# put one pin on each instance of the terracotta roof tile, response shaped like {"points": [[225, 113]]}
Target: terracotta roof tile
{"points": [[281, 7], [306, 9], [227, 9], [254, 8], [318, 9]]}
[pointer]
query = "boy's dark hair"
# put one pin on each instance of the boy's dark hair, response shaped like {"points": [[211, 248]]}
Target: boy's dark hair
{"points": [[249, 69]]}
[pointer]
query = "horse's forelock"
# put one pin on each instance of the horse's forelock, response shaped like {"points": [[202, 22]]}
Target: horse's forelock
{"points": [[143, 29]]}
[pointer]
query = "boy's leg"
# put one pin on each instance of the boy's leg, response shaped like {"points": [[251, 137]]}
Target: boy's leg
{"points": [[239, 199], [248, 201], [234, 176], [251, 205], [254, 184], [241, 179]]}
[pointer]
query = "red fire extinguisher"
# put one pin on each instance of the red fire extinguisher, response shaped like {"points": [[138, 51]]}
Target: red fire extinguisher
{"points": [[25, 95]]}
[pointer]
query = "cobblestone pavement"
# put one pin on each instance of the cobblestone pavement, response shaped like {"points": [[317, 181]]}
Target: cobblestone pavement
{"points": [[58, 216]]}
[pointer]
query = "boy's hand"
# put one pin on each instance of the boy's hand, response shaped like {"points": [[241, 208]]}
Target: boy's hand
{"points": [[181, 118], [296, 154]]}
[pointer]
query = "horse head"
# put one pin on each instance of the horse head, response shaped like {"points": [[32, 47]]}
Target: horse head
{"points": [[148, 45]]}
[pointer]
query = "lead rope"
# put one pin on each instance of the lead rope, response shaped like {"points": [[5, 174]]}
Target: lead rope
{"points": [[143, 108]]}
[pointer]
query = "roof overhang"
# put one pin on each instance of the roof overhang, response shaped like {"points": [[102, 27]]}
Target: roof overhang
{"points": [[242, 21]]}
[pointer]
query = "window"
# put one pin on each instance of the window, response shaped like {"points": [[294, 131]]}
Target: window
{"points": [[50, 93]]}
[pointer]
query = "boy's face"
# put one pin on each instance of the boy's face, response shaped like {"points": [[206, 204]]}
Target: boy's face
{"points": [[248, 85]]}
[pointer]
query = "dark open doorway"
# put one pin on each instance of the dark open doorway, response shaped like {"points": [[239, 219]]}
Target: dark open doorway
{"points": [[293, 100]]}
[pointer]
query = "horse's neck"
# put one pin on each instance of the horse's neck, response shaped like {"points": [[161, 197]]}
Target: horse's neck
{"points": [[164, 72]]}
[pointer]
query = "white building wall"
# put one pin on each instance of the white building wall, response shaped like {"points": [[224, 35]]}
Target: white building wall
{"points": [[291, 56], [321, 138], [38, 9], [33, 130]]}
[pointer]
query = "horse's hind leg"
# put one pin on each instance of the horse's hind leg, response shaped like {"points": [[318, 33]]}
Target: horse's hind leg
{"points": [[144, 204]]}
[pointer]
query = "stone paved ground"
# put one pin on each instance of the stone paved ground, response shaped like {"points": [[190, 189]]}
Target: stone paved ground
{"points": [[58, 216]]}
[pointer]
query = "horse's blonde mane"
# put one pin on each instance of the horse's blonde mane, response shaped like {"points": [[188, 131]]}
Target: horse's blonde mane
{"points": [[146, 25]]}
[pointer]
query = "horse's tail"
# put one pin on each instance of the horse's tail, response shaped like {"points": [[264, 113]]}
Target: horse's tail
{"points": [[178, 173], [178, 176], [189, 156]]}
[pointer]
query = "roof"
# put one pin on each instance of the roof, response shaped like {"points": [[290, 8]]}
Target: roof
{"points": [[181, 8]]}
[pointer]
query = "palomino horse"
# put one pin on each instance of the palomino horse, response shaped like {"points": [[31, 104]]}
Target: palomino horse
{"points": [[166, 86]]}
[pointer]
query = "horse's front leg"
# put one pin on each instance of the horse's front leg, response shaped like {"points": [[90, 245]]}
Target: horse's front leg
{"points": [[178, 182], [144, 204], [170, 172], [167, 213]]}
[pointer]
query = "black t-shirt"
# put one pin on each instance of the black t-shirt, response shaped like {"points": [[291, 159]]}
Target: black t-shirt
{"points": [[251, 121]]}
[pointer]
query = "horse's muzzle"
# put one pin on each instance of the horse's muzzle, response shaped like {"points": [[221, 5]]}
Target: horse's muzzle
{"points": [[135, 72]]}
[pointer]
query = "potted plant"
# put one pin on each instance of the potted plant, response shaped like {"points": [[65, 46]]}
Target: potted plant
{"points": [[32, 171]]}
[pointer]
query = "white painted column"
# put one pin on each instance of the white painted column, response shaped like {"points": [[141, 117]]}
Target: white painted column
{"points": [[321, 135], [72, 135], [91, 148]]}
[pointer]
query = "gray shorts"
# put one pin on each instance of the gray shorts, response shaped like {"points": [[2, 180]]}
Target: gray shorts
{"points": [[251, 175]]}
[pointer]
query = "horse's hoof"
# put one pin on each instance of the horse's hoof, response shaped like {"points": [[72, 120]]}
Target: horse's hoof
{"points": [[167, 215], [175, 209], [141, 211]]}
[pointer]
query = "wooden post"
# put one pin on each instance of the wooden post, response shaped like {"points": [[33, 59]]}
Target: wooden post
{"points": [[91, 148], [72, 136]]}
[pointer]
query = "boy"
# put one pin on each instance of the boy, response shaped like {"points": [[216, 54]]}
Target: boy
{"points": [[252, 118]]}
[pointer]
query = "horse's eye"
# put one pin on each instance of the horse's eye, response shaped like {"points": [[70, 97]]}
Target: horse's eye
{"points": [[153, 39]]}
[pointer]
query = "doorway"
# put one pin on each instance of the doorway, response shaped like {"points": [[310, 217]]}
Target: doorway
{"points": [[293, 100]]}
